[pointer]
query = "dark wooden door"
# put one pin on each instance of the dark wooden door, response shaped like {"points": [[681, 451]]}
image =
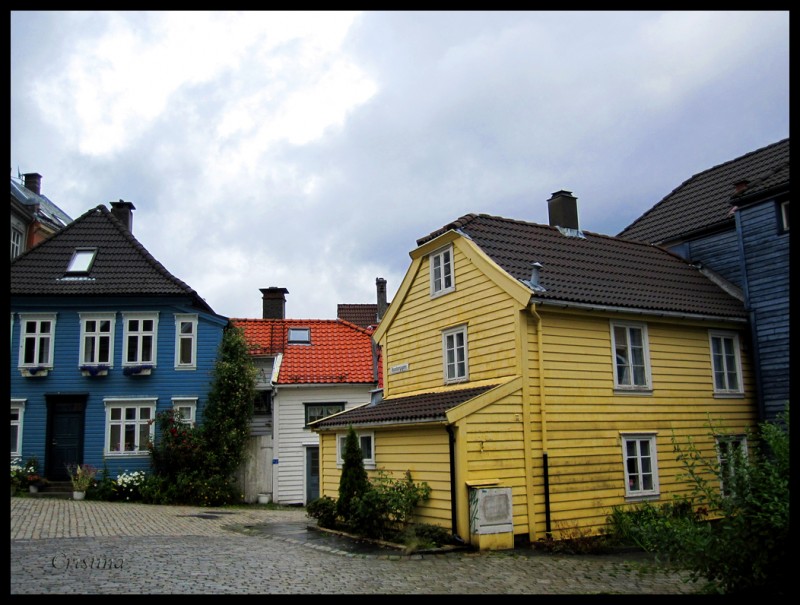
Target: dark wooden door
{"points": [[312, 473], [65, 435]]}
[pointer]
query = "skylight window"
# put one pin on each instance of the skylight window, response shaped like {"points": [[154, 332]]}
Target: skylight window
{"points": [[82, 260], [299, 335]]}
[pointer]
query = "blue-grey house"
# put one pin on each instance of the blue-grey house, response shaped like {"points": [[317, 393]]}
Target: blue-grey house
{"points": [[103, 338], [733, 219]]}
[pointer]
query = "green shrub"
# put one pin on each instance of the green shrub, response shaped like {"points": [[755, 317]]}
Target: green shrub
{"points": [[353, 482], [323, 509], [745, 549]]}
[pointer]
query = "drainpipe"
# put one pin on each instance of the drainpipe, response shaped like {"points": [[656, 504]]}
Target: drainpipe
{"points": [[751, 315], [543, 412], [453, 513]]}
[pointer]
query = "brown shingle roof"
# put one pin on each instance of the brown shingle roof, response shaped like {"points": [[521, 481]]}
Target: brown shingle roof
{"points": [[704, 201], [426, 407], [596, 270], [364, 315], [122, 267]]}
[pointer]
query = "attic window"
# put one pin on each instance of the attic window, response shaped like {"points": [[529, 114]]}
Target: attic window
{"points": [[82, 260], [299, 335]]}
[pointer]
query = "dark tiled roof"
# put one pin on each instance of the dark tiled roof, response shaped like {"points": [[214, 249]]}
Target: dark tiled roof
{"points": [[427, 407], [363, 315], [596, 270], [704, 201], [122, 267], [338, 352]]}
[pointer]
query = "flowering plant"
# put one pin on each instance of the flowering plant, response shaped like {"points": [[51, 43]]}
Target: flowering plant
{"points": [[138, 369], [129, 485], [82, 476], [19, 476], [31, 471], [94, 370]]}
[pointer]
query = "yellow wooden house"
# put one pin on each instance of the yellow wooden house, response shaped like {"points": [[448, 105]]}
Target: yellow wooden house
{"points": [[534, 377]]}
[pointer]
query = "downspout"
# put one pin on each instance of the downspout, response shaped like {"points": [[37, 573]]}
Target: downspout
{"points": [[751, 315], [543, 413], [453, 513]]}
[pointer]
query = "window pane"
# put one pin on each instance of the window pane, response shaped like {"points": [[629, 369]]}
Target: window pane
{"points": [[115, 435], [186, 351], [147, 349], [14, 435]]}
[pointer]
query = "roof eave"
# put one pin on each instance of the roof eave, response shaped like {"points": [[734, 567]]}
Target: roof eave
{"points": [[637, 311]]}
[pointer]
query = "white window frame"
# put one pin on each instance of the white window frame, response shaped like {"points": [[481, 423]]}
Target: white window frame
{"points": [[638, 465], [442, 260], [95, 335], [450, 344], [784, 216], [139, 335], [140, 422], [82, 260], [18, 405], [17, 238], [369, 457], [38, 337], [723, 443], [189, 404], [181, 337], [628, 366], [339, 405], [728, 368]]}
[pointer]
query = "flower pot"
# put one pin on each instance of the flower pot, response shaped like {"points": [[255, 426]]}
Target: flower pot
{"points": [[78, 495], [264, 498], [33, 489]]}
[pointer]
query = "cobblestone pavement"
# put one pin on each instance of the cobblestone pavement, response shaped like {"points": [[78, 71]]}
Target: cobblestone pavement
{"points": [[88, 547]]}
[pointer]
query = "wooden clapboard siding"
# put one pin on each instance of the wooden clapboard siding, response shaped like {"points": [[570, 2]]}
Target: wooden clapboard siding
{"points": [[416, 337]]}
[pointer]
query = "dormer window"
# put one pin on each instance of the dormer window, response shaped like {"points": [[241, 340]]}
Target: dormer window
{"points": [[82, 260], [299, 335]]}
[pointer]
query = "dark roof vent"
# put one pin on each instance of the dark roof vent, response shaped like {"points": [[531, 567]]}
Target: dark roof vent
{"points": [[274, 302], [33, 182], [123, 211], [563, 210]]}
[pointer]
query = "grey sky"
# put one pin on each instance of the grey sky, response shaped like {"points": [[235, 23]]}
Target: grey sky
{"points": [[310, 150]]}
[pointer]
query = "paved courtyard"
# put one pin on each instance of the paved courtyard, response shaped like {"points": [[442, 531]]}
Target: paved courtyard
{"points": [[87, 547]]}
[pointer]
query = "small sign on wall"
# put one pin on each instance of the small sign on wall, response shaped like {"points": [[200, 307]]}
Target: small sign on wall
{"points": [[397, 369]]}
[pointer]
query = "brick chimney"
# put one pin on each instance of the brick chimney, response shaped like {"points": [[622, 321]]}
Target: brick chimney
{"points": [[274, 302], [33, 182], [380, 283], [563, 210], [123, 211]]}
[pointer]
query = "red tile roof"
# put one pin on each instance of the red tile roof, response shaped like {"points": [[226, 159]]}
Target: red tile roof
{"points": [[338, 352]]}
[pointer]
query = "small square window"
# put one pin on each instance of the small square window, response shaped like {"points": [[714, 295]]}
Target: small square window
{"points": [[82, 260]]}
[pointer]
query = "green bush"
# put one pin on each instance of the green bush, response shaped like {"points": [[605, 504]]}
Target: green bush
{"points": [[323, 509], [353, 482]]}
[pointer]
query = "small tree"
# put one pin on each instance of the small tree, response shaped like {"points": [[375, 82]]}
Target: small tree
{"points": [[353, 483], [226, 419]]}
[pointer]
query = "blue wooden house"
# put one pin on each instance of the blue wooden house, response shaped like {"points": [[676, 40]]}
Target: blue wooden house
{"points": [[103, 338], [733, 221]]}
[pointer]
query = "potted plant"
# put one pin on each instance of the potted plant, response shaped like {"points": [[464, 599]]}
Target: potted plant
{"points": [[32, 477], [82, 478], [36, 371]]}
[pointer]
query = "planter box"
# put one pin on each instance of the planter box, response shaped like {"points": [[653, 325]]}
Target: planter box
{"points": [[33, 373], [92, 374]]}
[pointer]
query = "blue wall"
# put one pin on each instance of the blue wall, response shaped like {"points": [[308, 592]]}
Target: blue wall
{"points": [[65, 378]]}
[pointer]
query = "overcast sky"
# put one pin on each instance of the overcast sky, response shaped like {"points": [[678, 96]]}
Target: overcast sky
{"points": [[310, 150]]}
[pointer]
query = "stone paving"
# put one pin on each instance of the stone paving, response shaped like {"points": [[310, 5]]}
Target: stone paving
{"points": [[88, 547]]}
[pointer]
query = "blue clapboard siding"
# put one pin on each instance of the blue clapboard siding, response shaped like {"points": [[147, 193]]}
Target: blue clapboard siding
{"points": [[720, 253], [766, 261], [164, 383]]}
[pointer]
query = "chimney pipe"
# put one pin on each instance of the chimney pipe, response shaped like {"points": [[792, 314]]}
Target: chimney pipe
{"points": [[33, 182], [273, 302], [563, 210], [380, 283], [123, 211]]}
